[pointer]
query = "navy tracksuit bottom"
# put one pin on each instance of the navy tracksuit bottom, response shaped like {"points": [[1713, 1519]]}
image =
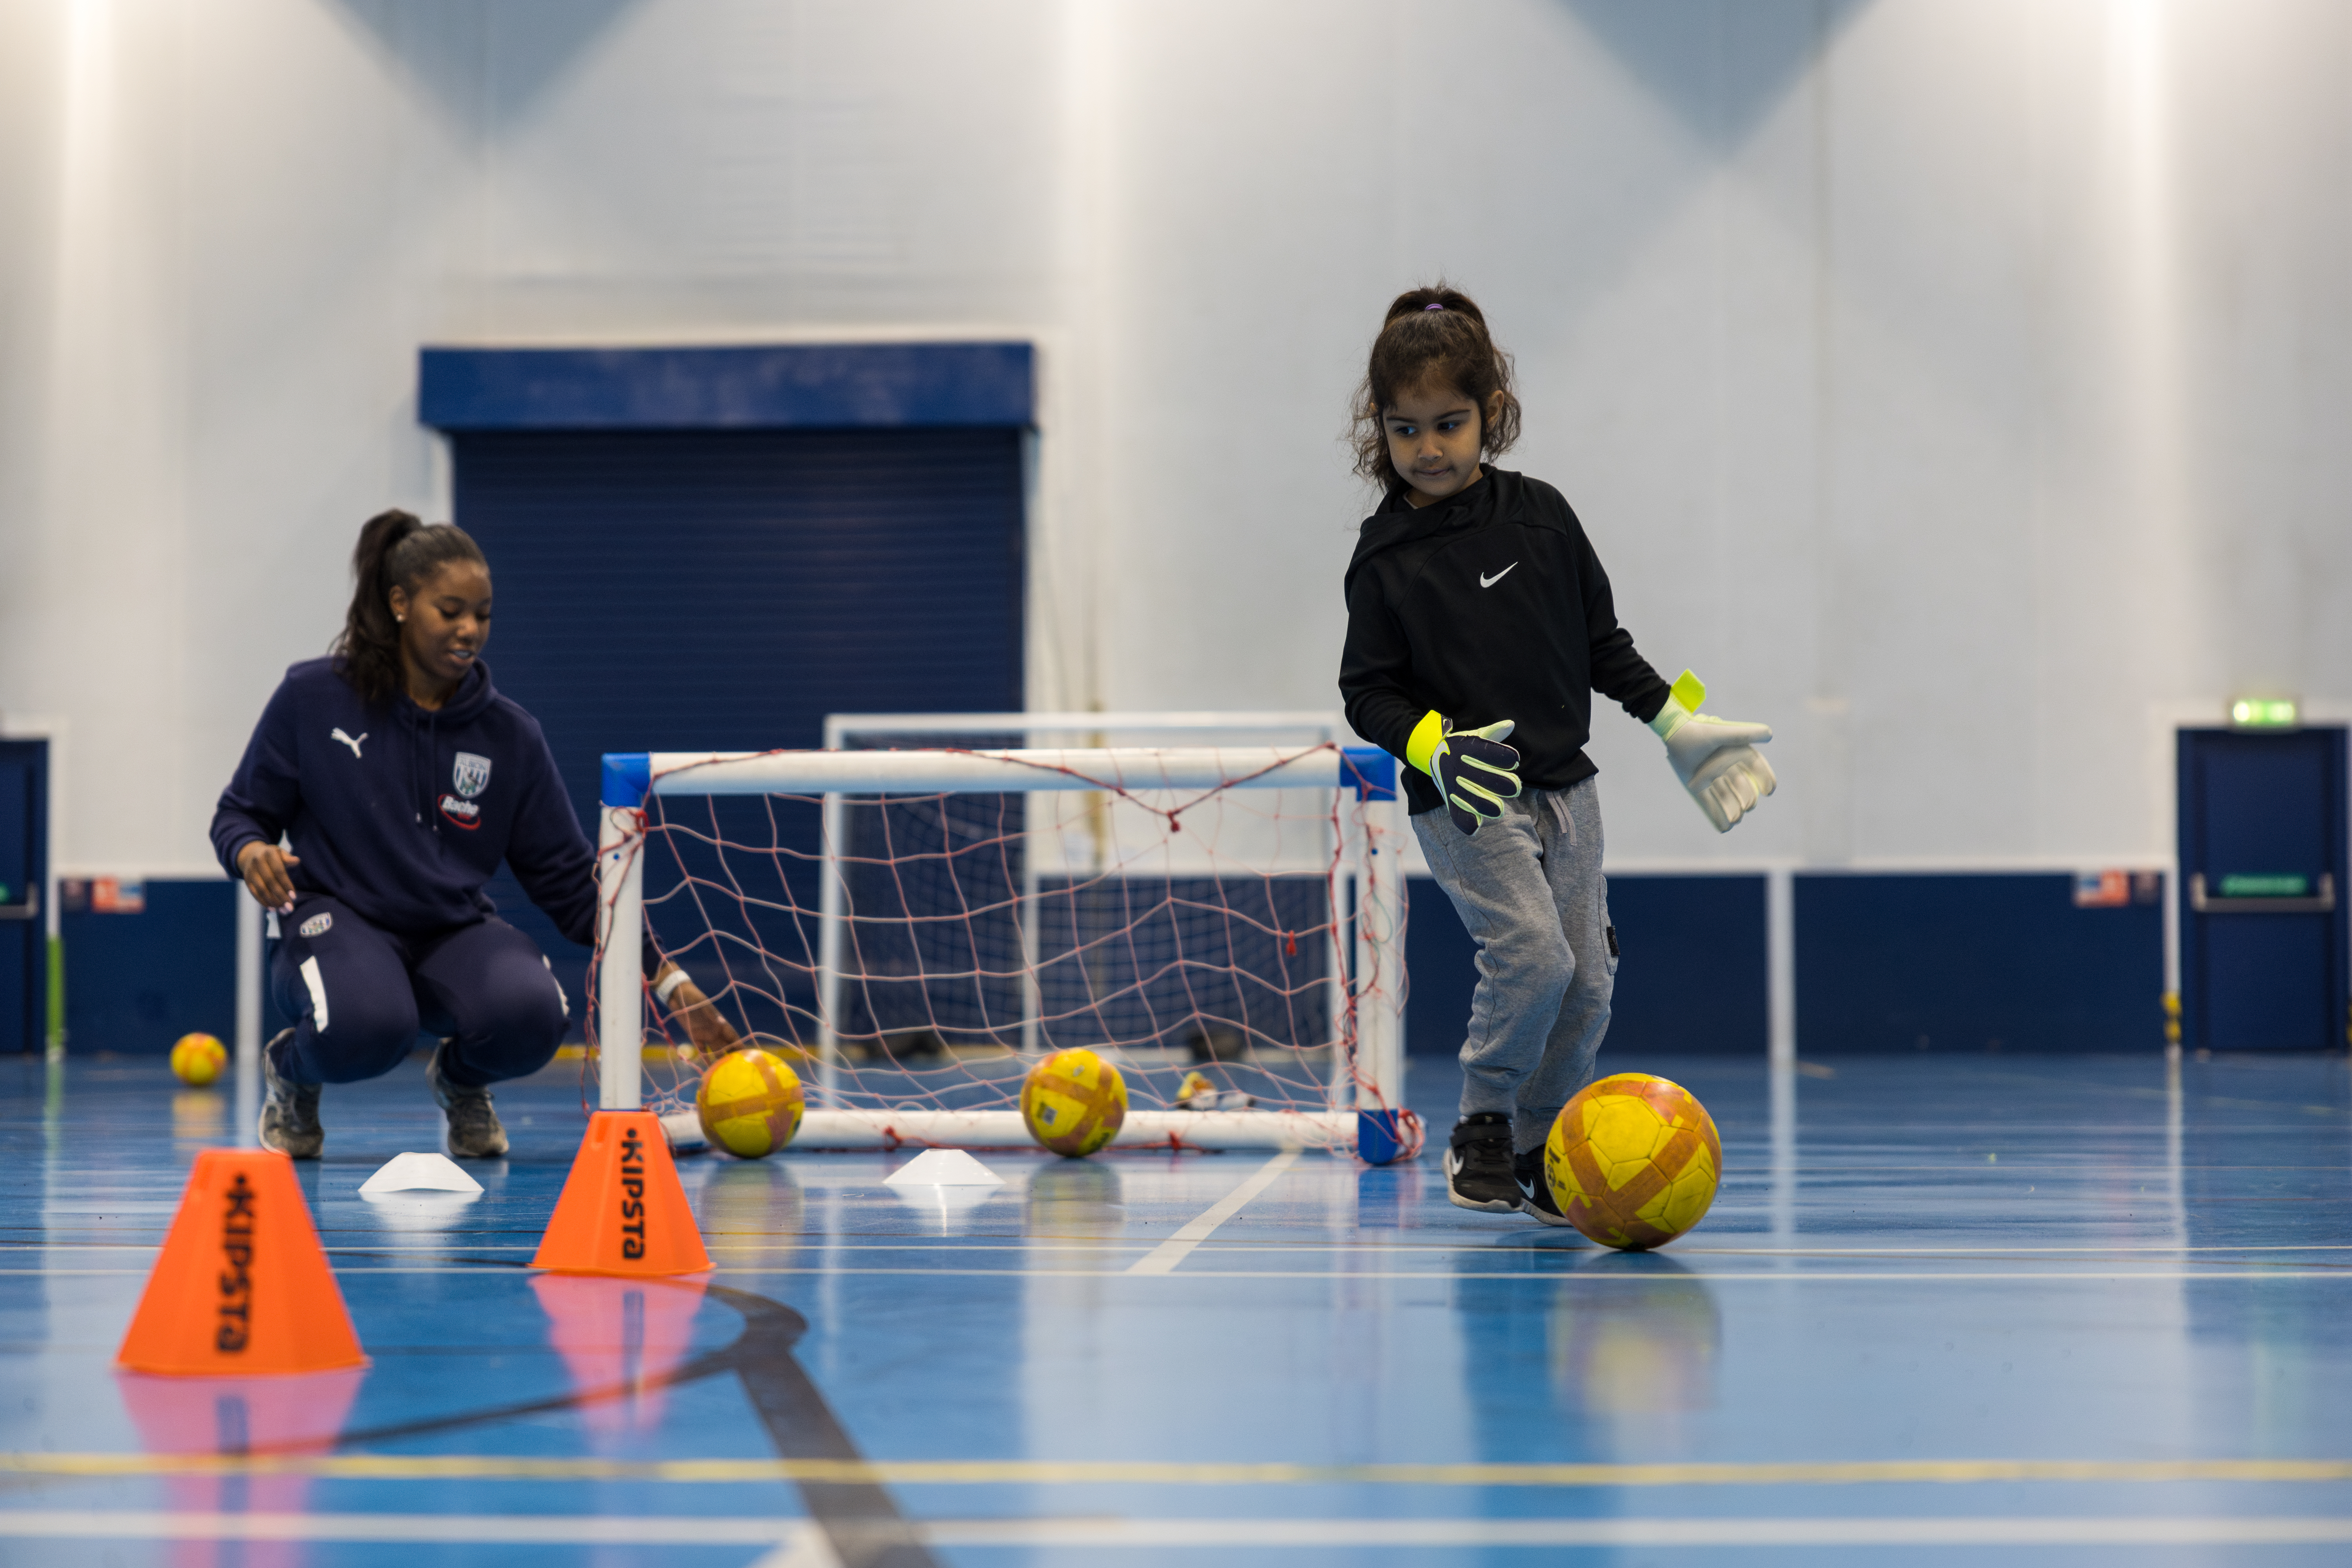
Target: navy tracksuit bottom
{"points": [[360, 994]]}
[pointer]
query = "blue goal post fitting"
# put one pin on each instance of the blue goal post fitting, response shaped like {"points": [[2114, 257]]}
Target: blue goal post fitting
{"points": [[628, 779]]}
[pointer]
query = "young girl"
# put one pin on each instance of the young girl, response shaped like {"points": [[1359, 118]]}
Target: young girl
{"points": [[402, 778], [1477, 614]]}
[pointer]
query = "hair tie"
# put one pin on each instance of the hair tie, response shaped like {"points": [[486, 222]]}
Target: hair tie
{"points": [[1432, 307]]}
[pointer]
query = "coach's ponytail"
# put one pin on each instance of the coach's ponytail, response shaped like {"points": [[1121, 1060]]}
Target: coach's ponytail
{"points": [[396, 550]]}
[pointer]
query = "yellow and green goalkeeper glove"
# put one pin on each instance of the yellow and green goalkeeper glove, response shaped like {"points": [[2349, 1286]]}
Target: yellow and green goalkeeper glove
{"points": [[1475, 772], [1716, 758]]}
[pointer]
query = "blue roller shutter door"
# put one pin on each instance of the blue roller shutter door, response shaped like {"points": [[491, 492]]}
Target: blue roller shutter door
{"points": [[725, 589]]}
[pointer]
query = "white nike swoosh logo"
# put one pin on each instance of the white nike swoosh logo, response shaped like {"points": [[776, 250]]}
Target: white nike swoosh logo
{"points": [[1486, 582]]}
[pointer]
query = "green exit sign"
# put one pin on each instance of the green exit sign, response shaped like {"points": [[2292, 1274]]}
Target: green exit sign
{"points": [[2239, 884], [2265, 714]]}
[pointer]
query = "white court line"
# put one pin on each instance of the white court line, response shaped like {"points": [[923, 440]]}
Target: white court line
{"points": [[1480, 1242], [519, 1530], [355, 1247], [2207, 1530], [1486, 1242], [2090, 1247], [1431, 1533], [1491, 1243], [398, 1268], [1164, 1258]]}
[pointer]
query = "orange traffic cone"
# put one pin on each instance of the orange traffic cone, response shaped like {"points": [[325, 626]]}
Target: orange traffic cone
{"points": [[242, 1286], [623, 1210]]}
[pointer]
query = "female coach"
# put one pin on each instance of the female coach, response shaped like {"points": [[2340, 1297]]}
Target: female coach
{"points": [[401, 778]]}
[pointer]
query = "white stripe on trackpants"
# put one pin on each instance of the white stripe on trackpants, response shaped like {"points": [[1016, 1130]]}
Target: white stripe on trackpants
{"points": [[1530, 891]]}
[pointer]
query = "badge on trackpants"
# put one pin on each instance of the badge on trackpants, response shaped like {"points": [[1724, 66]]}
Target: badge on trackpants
{"points": [[471, 776]]}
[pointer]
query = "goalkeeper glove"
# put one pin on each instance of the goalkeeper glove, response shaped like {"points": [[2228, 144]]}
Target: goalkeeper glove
{"points": [[1475, 772], [1716, 758]]}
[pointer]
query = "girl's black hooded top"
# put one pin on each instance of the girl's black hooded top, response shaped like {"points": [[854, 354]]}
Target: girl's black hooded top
{"points": [[1488, 605]]}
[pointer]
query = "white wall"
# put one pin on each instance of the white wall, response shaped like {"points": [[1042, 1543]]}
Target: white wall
{"points": [[1954, 383]]}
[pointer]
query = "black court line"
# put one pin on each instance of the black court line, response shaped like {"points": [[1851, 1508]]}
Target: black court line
{"points": [[859, 1518]]}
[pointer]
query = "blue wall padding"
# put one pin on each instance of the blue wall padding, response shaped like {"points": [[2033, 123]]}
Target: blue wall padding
{"points": [[135, 983], [1691, 978], [24, 869], [1973, 962], [1439, 971], [805, 386]]}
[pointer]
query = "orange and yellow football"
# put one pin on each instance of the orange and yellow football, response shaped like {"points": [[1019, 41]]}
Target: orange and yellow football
{"points": [[750, 1103], [197, 1060], [1633, 1160], [1074, 1101]]}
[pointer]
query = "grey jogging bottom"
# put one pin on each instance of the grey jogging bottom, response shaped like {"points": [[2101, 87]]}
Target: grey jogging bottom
{"points": [[1529, 889]]}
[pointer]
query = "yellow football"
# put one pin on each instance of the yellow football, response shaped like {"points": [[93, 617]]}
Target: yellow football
{"points": [[1633, 1160], [198, 1060], [750, 1103], [1074, 1101]]}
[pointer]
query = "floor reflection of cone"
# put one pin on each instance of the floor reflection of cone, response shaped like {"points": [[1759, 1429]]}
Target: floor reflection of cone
{"points": [[238, 1415], [620, 1340]]}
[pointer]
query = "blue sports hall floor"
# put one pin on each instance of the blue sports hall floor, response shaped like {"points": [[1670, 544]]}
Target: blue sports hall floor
{"points": [[2055, 1310]]}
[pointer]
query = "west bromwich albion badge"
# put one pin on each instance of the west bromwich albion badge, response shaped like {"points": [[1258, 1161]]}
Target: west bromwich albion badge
{"points": [[471, 775]]}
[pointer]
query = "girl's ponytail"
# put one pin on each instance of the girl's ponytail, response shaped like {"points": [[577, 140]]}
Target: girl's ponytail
{"points": [[1432, 336], [396, 550]]}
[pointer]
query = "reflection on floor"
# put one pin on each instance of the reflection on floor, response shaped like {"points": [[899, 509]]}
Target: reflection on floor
{"points": [[2059, 1308]]}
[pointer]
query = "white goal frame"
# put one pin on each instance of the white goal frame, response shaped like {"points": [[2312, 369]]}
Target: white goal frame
{"points": [[1091, 730], [1367, 888]]}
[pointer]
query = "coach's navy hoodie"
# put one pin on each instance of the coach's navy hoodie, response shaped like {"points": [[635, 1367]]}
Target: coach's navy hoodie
{"points": [[403, 813]]}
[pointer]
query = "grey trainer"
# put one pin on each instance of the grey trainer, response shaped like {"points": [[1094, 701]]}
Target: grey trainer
{"points": [[289, 1116], [473, 1130]]}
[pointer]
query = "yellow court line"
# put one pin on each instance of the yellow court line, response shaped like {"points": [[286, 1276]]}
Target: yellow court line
{"points": [[1046, 1472], [1478, 1244], [1586, 1275], [1482, 1244]]}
